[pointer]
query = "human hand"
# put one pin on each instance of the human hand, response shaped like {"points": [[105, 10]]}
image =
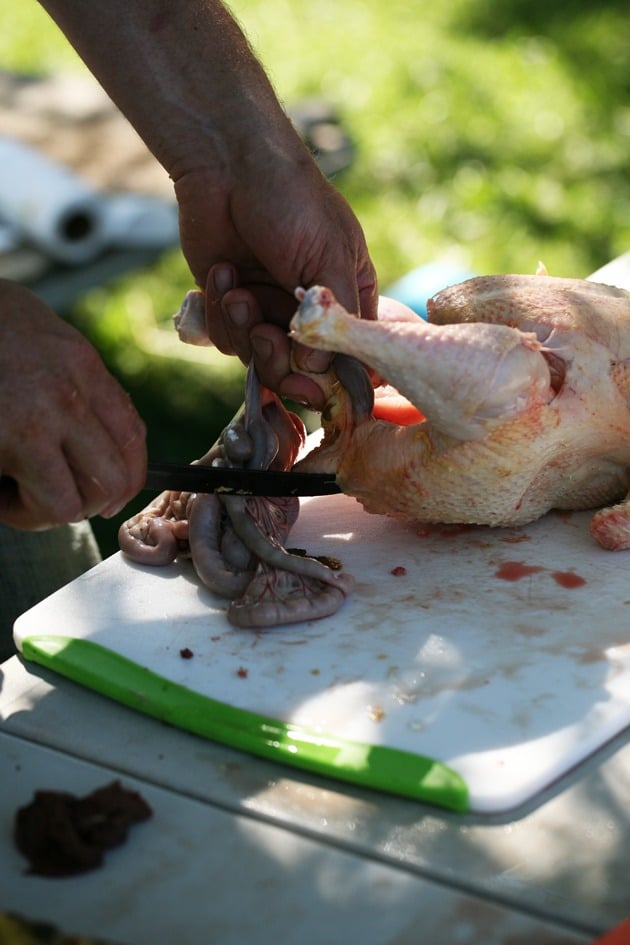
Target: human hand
{"points": [[249, 191], [71, 442], [280, 224]]}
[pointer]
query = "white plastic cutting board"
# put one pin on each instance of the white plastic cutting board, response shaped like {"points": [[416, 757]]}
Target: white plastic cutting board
{"points": [[503, 653]]}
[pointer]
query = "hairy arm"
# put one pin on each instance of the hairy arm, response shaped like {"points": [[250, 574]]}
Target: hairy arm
{"points": [[257, 217], [182, 73]]}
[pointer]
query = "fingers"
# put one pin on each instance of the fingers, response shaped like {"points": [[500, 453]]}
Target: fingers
{"points": [[43, 494], [83, 452], [71, 442], [354, 285], [230, 321], [102, 442], [90, 474], [369, 299], [233, 310], [272, 351], [221, 279], [122, 438], [252, 323]]}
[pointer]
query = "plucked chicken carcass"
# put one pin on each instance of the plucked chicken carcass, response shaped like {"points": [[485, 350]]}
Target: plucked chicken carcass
{"points": [[524, 382]]}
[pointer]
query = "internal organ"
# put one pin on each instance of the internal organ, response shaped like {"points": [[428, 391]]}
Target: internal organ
{"points": [[236, 542]]}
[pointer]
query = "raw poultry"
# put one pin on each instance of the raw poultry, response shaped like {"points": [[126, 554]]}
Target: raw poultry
{"points": [[523, 383]]}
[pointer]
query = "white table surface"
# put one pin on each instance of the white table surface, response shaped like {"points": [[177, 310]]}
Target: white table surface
{"points": [[196, 873], [244, 850], [263, 852]]}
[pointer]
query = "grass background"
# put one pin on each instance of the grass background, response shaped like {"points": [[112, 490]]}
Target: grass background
{"points": [[489, 135]]}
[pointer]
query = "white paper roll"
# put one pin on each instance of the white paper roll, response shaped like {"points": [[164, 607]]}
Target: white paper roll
{"points": [[139, 221], [56, 210]]}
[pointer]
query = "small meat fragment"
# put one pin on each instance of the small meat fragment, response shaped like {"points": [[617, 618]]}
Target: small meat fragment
{"points": [[63, 835]]}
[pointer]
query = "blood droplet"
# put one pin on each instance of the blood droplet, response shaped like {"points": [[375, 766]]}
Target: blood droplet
{"points": [[568, 579], [515, 570]]}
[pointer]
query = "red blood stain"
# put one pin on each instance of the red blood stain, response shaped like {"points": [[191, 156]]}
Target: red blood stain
{"points": [[398, 571], [186, 653], [568, 579], [515, 570], [242, 672]]}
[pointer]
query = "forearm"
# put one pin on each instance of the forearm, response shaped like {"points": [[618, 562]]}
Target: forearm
{"points": [[182, 73]]}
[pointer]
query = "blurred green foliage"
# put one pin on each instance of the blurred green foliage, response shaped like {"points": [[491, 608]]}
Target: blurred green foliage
{"points": [[493, 134], [488, 134]]}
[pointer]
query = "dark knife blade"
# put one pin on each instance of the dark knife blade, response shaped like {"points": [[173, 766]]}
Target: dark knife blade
{"points": [[181, 477]]}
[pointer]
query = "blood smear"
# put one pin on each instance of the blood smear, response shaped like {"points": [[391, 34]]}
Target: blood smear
{"points": [[515, 570], [568, 579]]}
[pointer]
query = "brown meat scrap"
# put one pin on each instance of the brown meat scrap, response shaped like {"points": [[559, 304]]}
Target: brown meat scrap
{"points": [[63, 835]]}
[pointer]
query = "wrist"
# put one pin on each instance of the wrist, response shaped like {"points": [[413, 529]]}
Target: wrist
{"points": [[237, 140]]}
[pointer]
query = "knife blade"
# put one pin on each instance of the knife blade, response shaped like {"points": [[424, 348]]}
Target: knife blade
{"points": [[181, 477]]}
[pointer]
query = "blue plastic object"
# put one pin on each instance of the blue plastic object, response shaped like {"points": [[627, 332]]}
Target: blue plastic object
{"points": [[418, 286]]}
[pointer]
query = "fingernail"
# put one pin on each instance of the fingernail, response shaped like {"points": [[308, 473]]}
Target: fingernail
{"points": [[311, 359], [262, 349], [316, 361], [238, 313], [222, 278], [112, 510]]}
